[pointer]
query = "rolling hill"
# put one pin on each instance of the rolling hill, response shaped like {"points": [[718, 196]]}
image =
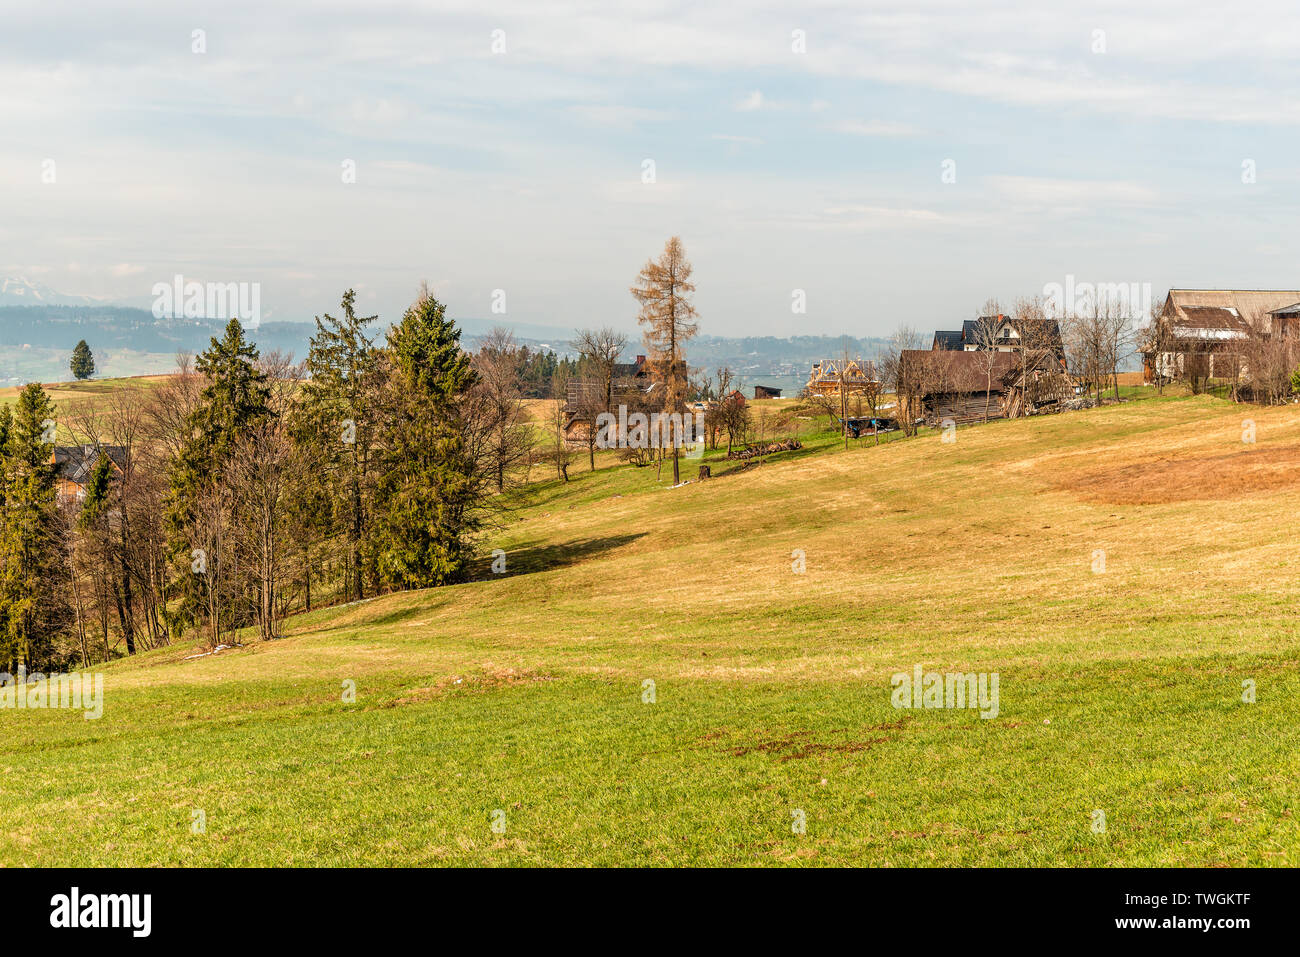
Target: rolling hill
{"points": [[652, 682]]}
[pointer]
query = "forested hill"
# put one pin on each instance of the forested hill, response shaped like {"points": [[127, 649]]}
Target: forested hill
{"points": [[35, 342]]}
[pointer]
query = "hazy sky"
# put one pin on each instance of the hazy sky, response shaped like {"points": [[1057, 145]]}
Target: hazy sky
{"points": [[1113, 156]]}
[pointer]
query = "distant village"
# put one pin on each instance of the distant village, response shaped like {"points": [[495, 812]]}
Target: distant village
{"points": [[1244, 343]]}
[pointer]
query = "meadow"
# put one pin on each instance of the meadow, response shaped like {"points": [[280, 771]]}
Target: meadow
{"points": [[701, 675]]}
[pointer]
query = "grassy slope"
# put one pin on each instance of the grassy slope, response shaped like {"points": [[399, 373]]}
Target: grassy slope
{"points": [[1119, 691]]}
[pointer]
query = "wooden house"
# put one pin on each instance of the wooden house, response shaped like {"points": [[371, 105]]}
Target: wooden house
{"points": [[961, 385], [1204, 333], [855, 377], [75, 464]]}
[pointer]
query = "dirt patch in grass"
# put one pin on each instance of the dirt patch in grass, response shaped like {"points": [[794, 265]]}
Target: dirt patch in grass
{"points": [[1205, 478], [800, 744], [483, 681]]}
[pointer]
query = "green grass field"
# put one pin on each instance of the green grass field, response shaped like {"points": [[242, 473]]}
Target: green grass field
{"points": [[522, 693]]}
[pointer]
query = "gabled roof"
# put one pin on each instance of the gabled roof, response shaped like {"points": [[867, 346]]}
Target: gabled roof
{"points": [[75, 463], [1253, 306], [1212, 321], [628, 370], [968, 337]]}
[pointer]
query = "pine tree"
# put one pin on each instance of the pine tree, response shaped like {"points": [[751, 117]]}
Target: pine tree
{"points": [[429, 488], [234, 399], [97, 491], [31, 595], [336, 427], [83, 361]]}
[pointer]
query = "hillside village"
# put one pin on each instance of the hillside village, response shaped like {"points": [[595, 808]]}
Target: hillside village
{"points": [[125, 455]]}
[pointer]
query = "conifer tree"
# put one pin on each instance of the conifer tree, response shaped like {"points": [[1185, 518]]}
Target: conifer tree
{"points": [[429, 488], [33, 603], [335, 426], [663, 288], [234, 398], [83, 361]]}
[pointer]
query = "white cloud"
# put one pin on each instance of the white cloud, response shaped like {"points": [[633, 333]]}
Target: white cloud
{"points": [[874, 128]]}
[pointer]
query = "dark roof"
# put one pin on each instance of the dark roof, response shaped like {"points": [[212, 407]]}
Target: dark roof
{"points": [[1287, 311], [968, 335], [75, 463], [628, 370], [1211, 317]]}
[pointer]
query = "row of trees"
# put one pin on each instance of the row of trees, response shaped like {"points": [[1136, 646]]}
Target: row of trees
{"points": [[247, 485]]}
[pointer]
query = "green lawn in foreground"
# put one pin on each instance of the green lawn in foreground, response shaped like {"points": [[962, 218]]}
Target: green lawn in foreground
{"points": [[1119, 691]]}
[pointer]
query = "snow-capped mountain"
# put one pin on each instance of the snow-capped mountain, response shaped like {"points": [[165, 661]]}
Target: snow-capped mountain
{"points": [[23, 292]]}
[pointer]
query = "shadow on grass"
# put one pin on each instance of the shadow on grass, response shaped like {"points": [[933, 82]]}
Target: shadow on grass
{"points": [[547, 491], [528, 558]]}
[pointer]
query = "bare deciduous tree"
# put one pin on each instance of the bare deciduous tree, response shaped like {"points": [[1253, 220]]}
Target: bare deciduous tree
{"points": [[599, 351], [498, 411], [663, 289]]}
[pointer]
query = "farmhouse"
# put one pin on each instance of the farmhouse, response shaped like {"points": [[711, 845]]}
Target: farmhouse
{"points": [[963, 385], [633, 384], [1003, 335], [1203, 333], [74, 465]]}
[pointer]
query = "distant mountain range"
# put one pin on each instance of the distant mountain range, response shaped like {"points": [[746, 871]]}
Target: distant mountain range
{"points": [[24, 292], [39, 326]]}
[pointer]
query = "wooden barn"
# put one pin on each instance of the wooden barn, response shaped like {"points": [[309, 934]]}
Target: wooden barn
{"points": [[949, 384], [634, 384], [766, 392], [1204, 333]]}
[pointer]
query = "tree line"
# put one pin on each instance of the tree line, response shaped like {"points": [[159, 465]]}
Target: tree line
{"points": [[247, 485]]}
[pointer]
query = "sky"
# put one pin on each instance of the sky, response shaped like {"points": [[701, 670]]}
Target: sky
{"points": [[880, 162]]}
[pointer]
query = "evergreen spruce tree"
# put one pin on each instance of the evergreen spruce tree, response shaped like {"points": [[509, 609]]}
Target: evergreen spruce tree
{"points": [[34, 605], [83, 361], [234, 398], [336, 426], [427, 488]]}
